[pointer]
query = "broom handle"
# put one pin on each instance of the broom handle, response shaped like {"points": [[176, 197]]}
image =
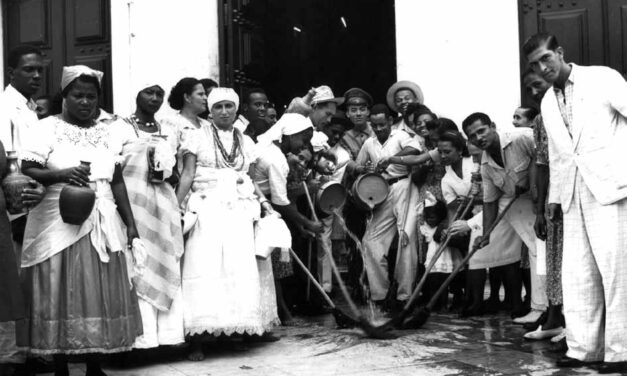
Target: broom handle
{"points": [[466, 259], [315, 218], [312, 278], [310, 202], [334, 268], [343, 288], [436, 256]]}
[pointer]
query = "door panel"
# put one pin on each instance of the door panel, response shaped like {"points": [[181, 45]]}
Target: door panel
{"points": [[87, 40], [617, 27], [592, 32], [68, 32], [578, 26]]}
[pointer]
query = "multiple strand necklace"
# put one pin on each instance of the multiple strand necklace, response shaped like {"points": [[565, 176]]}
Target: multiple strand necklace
{"points": [[228, 158]]}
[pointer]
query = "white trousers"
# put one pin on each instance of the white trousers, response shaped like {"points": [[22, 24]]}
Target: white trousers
{"points": [[324, 247], [521, 218], [594, 277], [379, 234]]}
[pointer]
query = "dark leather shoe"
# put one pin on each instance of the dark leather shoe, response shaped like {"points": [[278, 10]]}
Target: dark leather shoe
{"points": [[612, 367], [566, 361]]}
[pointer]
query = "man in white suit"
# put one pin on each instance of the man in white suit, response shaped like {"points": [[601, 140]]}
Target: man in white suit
{"points": [[584, 115]]}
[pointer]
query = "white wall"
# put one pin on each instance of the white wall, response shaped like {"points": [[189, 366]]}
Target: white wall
{"points": [[464, 54], [161, 41]]}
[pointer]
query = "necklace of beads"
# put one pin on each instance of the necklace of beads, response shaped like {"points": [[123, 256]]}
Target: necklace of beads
{"points": [[135, 123], [148, 124], [229, 158]]}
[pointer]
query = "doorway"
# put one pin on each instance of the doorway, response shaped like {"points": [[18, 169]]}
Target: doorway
{"points": [[287, 47]]}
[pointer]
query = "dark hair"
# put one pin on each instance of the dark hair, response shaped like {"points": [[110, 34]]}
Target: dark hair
{"points": [[530, 112], [528, 72], [186, 85], [380, 108], [439, 210], [538, 40], [16, 53], [252, 91], [442, 124], [485, 119], [84, 79], [417, 109], [456, 139], [208, 82]]}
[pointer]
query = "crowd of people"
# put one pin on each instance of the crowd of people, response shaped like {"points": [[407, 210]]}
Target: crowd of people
{"points": [[180, 240]]}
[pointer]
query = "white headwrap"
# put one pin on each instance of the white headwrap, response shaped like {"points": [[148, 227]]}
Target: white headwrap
{"points": [[220, 94], [73, 72], [287, 125], [145, 85], [430, 200]]}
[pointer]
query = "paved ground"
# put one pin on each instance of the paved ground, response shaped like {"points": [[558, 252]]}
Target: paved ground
{"points": [[446, 345]]}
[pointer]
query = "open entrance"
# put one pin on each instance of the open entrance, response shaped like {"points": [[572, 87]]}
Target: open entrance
{"points": [[286, 46]]}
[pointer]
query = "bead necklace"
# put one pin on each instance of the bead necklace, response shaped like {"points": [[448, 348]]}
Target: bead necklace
{"points": [[148, 124], [229, 158], [134, 121]]}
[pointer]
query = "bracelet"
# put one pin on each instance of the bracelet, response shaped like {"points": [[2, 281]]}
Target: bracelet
{"points": [[261, 202], [401, 159]]}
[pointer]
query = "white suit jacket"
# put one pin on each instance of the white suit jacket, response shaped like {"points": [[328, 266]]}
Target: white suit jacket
{"points": [[598, 145]]}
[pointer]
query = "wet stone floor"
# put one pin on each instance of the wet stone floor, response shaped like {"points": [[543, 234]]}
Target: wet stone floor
{"points": [[445, 345]]}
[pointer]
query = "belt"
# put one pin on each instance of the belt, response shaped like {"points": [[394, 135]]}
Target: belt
{"points": [[396, 180]]}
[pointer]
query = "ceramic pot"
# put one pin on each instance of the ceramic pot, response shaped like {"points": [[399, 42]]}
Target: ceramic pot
{"points": [[76, 202], [13, 185]]}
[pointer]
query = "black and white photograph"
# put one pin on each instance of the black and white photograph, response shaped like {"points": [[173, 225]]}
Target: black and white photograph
{"points": [[313, 187]]}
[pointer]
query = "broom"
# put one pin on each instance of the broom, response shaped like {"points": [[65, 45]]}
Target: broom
{"points": [[422, 315], [363, 322], [341, 319], [461, 212]]}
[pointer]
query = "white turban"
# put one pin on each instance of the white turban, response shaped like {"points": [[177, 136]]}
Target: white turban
{"points": [[145, 85], [73, 72], [220, 94], [287, 125]]}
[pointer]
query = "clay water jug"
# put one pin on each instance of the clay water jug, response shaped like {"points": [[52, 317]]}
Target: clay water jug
{"points": [[13, 185], [76, 202]]}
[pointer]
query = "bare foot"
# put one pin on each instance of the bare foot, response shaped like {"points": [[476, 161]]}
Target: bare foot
{"points": [[196, 355]]}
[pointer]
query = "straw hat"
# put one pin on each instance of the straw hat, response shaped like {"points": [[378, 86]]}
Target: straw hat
{"points": [[403, 85]]}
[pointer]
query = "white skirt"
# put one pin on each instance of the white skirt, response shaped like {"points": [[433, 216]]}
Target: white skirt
{"points": [[221, 281]]}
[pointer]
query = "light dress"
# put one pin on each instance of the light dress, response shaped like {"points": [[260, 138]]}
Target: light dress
{"points": [[77, 285], [495, 253], [157, 217], [225, 291]]}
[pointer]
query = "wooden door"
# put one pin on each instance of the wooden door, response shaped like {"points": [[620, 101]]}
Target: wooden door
{"points": [[592, 32], [68, 32], [617, 35], [241, 45]]}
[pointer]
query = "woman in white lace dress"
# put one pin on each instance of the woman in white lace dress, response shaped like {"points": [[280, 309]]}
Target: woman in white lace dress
{"points": [[77, 286], [224, 291]]}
